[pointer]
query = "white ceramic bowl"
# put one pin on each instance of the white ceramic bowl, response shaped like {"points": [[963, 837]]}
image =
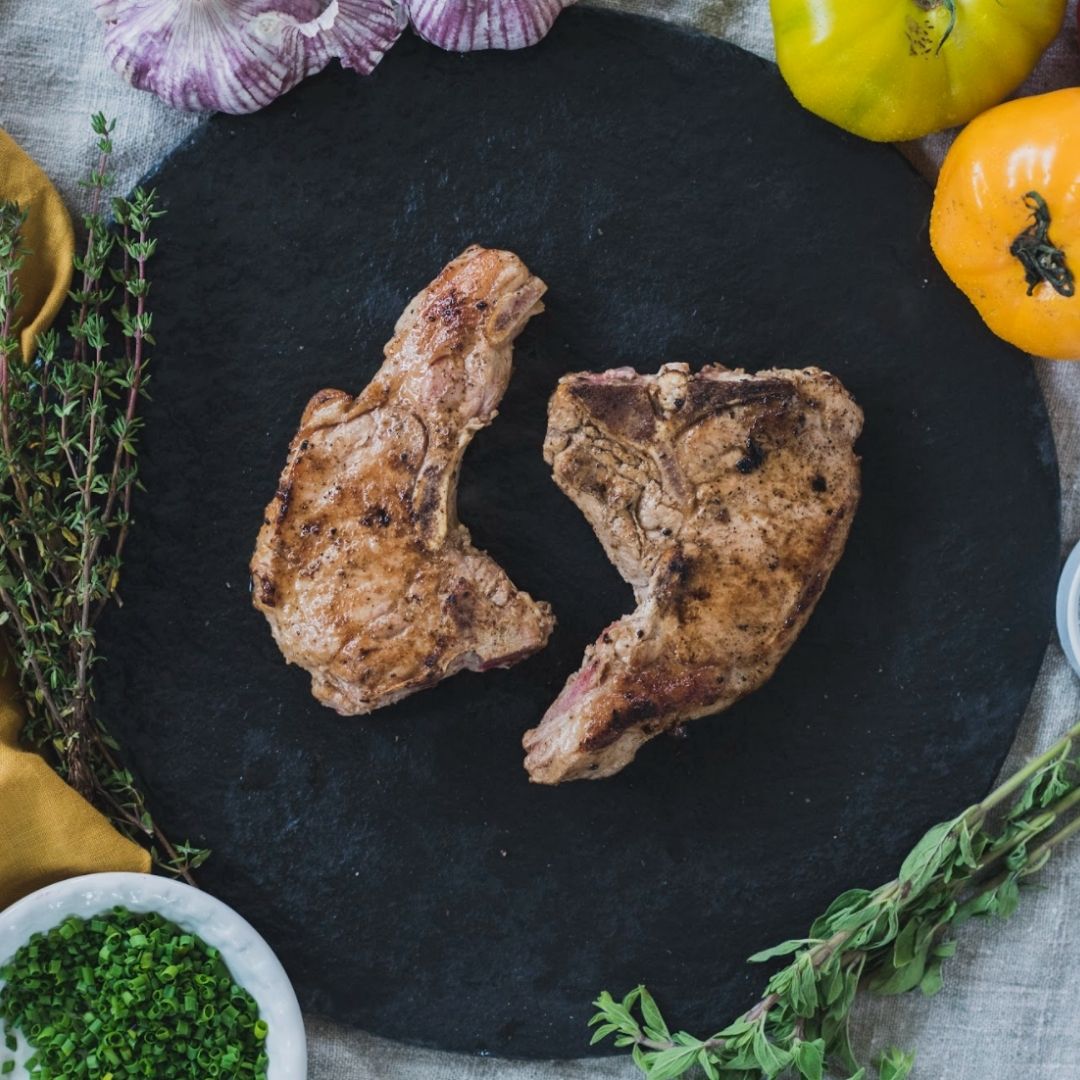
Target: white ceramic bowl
{"points": [[1068, 609], [248, 957]]}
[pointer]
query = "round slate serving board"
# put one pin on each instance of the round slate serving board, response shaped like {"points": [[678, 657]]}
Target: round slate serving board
{"points": [[680, 206]]}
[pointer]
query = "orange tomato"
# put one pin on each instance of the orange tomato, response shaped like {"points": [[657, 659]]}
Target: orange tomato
{"points": [[1006, 221]]}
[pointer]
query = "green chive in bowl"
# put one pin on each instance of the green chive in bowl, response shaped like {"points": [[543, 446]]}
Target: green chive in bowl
{"points": [[183, 963]]}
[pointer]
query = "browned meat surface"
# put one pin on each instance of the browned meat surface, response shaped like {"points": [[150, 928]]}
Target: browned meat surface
{"points": [[725, 500], [366, 576]]}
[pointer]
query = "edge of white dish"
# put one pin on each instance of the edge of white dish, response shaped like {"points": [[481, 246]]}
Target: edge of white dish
{"points": [[251, 961], [1068, 609]]}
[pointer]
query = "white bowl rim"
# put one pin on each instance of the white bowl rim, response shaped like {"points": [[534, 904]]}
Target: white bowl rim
{"points": [[1068, 609], [89, 894]]}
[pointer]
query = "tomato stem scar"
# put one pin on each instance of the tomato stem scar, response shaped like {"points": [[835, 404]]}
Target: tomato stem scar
{"points": [[950, 6], [1041, 260]]}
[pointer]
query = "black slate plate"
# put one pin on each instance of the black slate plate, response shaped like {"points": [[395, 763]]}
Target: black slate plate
{"points": [[681, 206]]}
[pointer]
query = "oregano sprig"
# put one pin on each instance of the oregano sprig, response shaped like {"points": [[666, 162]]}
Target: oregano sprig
{"points": [[69, 428], [890, 940]]}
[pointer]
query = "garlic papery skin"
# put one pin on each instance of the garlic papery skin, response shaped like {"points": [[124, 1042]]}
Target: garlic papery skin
{"points": [[237, 56], [465, 25], [357, 32]]}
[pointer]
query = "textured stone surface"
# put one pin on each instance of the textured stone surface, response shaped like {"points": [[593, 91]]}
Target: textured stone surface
{"points": [[412, 881]]}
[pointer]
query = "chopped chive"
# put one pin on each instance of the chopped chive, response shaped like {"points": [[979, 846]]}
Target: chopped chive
{"points": [[128, 995]]}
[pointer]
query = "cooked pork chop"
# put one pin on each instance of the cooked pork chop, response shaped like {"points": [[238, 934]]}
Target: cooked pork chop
{"points": [[367, 578], [725, 500]]}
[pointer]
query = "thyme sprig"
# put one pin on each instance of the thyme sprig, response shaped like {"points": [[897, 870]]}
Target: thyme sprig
{"points": [[69, 431], [891, 939]]}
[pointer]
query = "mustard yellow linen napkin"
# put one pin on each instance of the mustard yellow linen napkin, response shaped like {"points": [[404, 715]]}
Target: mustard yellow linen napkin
{"points": [[47, 831], [47, 234]]}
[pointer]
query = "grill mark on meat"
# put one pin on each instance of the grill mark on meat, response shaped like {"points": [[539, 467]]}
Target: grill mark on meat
{"points": [[426, 511], [752, 459], [815, 584], [323, 397], [722, 598], [624, 409], [645, 706], [677, 586], [449, 309], [266, 591], [460, 605], [377, 516], [672, 580], [809, 596], [284, 497], [709, 396], [635, 711]]}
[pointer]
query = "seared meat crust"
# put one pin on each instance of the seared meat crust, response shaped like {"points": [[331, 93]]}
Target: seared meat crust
{"points": [[725, 500], [365, 574]]}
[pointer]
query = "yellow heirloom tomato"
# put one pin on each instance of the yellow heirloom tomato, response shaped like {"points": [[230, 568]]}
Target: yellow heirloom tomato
{"points": [[1006, 221], [900, 69]]}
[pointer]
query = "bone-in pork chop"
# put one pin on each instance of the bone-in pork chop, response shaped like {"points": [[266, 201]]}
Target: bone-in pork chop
{"points": [[367, 578], [725, 500]]}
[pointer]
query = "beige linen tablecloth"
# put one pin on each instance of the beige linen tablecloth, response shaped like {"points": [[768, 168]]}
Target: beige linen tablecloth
{"points": [[1011, 1003]]}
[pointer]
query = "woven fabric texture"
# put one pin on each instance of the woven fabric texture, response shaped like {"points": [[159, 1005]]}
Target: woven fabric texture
{"points": [[1010, 1003]]}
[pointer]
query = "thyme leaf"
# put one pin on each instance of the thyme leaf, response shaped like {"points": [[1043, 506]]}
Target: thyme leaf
{"points": [[69, 433]]}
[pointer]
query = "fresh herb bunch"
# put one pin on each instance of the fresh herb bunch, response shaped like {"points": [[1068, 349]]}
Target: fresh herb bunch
{"points": [[125, 994], [68, 468], [891, 939]]}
